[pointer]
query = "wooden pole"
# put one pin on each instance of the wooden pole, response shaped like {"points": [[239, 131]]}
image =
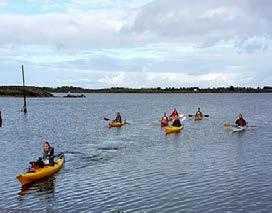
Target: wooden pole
{"points": [[24, 107]]}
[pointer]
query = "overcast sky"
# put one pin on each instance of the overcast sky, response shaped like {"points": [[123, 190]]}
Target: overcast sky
{"points": [[136, 43]]}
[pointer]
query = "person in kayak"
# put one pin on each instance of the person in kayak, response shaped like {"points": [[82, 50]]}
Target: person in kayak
{"points": [[164, 118], [240, 121], [118, 118], [199, 113], [176, 123], [47, 159], [174, 114]]}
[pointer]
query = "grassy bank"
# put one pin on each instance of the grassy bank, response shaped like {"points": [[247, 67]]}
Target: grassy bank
{"points": [[18, 91]]}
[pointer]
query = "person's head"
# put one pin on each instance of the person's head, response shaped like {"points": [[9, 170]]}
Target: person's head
{"points": [[240, 116], [118, 113], [46, 146], [198, 109], [175, 109], [164, 114]]}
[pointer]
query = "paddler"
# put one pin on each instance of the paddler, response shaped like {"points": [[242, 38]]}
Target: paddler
{"points": [[176, 122], [174, 114], [240, 121], [164, 118], [47, 159], [118, 118], [198, 113]]}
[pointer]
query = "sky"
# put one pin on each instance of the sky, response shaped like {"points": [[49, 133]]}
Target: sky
{"points": [[136, 43]]}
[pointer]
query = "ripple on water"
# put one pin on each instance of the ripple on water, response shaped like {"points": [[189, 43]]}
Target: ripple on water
{"points": [[137, 168]]}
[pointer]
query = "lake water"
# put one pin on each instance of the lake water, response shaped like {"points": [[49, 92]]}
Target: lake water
{"points": [[137, 168]]}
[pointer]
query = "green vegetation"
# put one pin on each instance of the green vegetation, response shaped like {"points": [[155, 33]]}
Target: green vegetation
{"points": [[230, 89], [18, 91]]}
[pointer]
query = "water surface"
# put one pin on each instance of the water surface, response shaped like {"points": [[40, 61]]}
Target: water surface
{"points": [[137, 168]]}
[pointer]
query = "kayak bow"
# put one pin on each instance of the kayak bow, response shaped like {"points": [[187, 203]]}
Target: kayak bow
{"points": [[116, 124], [173, 129], [238, 128]]}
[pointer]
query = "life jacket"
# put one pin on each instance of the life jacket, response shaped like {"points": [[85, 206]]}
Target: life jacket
{"points": [[164, 119], [240, 122], [174, 114]]}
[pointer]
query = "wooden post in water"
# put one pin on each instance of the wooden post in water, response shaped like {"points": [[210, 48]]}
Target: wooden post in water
{"points": [[24, 109]]}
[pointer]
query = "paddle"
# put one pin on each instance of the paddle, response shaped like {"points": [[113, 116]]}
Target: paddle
{"points": [[183, 119], [106, 119], [203, 116]]}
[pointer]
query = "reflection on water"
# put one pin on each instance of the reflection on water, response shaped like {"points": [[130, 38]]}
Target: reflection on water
{"points": [[43, 189], [137, 168]]}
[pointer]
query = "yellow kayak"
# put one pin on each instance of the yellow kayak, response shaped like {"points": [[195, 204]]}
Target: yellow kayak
{"points": [[30, 177], [116, 124], [172, 129]]}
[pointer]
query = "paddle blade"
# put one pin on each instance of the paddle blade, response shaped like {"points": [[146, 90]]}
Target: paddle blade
{"points": [[190, 116], [206, 116], [106, 119], [183, 119], [227, 125]]}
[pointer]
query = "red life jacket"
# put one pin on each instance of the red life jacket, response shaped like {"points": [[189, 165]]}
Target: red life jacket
{"points": [[164, 119], [174, 114], [241, 122]]}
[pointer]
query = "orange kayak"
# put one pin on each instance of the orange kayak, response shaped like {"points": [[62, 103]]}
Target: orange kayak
{"points": [[41, 173], [116, 124]]}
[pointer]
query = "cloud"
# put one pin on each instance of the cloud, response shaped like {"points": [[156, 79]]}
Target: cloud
{"points": [[113, 80], [203, 23], [3, 3], [137, 43]]}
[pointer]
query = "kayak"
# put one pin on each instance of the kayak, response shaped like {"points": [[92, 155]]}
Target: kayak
{"points": [[238, 128], [198, 118], [173, 129], [41, 173], [116, 124]]}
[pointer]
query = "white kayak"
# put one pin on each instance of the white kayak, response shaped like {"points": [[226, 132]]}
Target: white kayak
{"points": [[238, 128]]}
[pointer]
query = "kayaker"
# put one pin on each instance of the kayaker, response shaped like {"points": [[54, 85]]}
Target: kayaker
{"points": [[176, 122], [164, 118], [48, 156], [118, 118], [1, 120], [240, 121], [174, 114], [198, 113]]}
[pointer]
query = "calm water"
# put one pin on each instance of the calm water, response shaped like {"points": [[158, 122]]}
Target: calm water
{"points": [[137, 168]]}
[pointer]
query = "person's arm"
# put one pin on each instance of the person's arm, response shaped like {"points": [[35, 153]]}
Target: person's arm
{"points": [[52, 151], [244, 122]]}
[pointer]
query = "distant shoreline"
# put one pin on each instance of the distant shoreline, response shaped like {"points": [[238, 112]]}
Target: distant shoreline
{"points": [[31, 91]]}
